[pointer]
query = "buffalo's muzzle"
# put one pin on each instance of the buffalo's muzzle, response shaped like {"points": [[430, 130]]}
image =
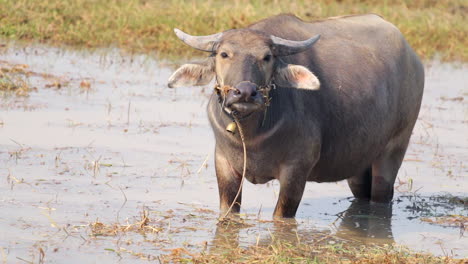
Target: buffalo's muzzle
{"points": [[243, 92], [244, 97]]}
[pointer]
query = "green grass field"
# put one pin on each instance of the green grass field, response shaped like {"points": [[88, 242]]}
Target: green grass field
{"points": [[433, 28]]}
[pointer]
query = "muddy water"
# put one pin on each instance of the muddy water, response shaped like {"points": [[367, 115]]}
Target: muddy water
{"points": [[102, 140]]}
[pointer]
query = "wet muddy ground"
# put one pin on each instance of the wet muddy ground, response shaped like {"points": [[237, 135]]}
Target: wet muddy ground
{"points": [[102, 163]]}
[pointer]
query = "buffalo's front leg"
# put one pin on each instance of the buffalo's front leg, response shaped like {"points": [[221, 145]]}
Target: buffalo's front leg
{"points": [[229, 182], [291, 189]]}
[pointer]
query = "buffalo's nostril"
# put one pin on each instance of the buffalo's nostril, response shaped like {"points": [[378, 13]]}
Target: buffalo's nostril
{"points": [[245, 92]]}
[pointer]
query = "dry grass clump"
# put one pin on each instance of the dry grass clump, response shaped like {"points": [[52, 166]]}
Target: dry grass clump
{"points": [[431, 27], [13, 80], [101, 229]]}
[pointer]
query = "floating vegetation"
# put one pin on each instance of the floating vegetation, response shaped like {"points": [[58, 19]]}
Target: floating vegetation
{"points": [[436, 206]]}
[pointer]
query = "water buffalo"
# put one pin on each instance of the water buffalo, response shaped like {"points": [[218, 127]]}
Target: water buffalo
{"points": [[319, 101]]}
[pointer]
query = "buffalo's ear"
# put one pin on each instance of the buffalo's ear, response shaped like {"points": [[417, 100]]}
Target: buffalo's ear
{"points": [[192, 74], [296, 76]]}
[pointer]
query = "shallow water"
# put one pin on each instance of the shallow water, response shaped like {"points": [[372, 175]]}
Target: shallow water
{"points": [[73, 156]]}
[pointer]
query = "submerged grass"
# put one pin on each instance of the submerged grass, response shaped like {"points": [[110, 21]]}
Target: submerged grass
{"points": [[431, 27], [460, 221]]}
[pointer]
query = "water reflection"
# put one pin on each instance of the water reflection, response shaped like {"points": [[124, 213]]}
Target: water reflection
{"points": [[363, 222], [367, 223]]}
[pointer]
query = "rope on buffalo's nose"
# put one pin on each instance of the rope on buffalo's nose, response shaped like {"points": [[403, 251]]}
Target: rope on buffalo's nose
{"points": [[224, 89], [241, 134]]}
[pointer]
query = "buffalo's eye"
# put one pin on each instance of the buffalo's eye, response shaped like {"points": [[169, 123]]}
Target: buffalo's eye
{"points": [[224, 55], [267, 58]]}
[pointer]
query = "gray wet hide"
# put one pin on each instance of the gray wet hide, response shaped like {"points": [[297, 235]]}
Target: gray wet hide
{"points": [[347, 93]]}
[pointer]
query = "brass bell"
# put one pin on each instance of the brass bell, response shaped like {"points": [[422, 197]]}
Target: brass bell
{"points": [[231, 128]]}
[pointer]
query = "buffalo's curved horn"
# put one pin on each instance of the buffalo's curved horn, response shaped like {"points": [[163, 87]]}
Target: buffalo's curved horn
{"points": [[203, 43], [284, 47]]}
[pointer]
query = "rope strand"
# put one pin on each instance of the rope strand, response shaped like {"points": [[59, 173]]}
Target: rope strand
{"points": [[241, 134], [222, 90]]}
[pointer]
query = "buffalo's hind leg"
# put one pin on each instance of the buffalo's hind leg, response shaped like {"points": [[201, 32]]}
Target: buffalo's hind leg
{"points": [[376, 183], [361, 185], [384, 172]]}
